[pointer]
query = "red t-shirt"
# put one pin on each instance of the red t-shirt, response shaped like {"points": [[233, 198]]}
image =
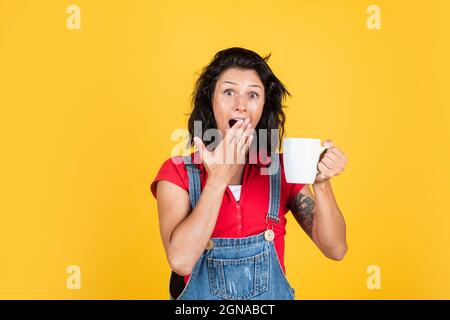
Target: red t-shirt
{"points": [[244, 218]]}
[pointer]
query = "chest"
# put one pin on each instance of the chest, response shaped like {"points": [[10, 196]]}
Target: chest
{"points": [[247, 216]]}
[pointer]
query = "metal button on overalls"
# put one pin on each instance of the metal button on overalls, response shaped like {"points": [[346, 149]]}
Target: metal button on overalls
{"points": [[210, 244], [269, 235]]}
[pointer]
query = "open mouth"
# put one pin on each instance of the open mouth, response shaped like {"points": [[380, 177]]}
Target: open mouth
{"points": [[232, 122]]}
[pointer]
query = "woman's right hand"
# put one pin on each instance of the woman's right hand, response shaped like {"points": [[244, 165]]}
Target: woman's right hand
{"points": [[222, 163]]}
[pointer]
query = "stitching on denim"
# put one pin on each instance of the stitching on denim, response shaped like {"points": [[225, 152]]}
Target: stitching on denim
{"points": [[218, 270]]}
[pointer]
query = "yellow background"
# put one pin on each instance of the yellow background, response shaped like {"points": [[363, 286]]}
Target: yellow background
{"points": [[86, 118]]}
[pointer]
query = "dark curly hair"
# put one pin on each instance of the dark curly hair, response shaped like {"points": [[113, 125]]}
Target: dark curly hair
{"points": [[272, 116]]}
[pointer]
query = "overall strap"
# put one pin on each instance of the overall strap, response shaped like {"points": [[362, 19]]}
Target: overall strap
{"points": [[176, 285], [275, 190], [194, 180]]}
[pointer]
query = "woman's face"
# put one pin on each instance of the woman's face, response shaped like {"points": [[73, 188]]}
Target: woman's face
{"points": [[239, 94]]}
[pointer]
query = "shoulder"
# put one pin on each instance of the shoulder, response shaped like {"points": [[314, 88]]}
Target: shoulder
{"points": [[172, 170], [173, 165]]}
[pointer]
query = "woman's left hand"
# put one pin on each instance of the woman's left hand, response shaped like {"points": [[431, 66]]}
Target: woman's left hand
{"points": [[332, 163]]}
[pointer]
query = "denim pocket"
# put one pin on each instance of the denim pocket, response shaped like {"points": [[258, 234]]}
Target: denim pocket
{"points": [[238, 279]]}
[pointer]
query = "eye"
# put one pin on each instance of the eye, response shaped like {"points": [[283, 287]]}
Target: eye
{"points": [[228, 91], [254, 95]]}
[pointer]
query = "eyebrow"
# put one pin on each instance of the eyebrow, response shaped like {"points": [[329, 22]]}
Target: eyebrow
{"points": [[251, 85]]}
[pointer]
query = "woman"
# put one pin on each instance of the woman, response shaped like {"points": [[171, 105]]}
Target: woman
{"points": [[222, 223]]}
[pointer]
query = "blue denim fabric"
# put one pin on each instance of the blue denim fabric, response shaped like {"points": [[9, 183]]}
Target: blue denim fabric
{"points": [[238, 268], [275, 190], [194, 181]]}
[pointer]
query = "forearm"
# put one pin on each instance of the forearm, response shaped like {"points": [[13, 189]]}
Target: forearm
{"points": [[191, 236], [329, 224]]}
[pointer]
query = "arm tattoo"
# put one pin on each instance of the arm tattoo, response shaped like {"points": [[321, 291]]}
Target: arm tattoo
{"points": [[303, 209]]}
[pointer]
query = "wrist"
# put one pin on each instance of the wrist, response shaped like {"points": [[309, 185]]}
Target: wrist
{"points": [[323, 185], [216, 184]]}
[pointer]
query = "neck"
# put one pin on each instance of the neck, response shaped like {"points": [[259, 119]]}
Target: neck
{"points": [[237, 178]]}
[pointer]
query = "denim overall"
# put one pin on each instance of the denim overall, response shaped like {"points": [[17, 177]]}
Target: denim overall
{"points": [[238, 268]]}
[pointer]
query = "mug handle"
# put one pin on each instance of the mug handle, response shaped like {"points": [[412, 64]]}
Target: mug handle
{"points": [[322, 149]]}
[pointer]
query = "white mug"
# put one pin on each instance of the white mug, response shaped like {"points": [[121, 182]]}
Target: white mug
{"points": [[300, 159]]}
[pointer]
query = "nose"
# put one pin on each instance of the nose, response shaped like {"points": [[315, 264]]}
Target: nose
{"points": [[241, 104]]}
